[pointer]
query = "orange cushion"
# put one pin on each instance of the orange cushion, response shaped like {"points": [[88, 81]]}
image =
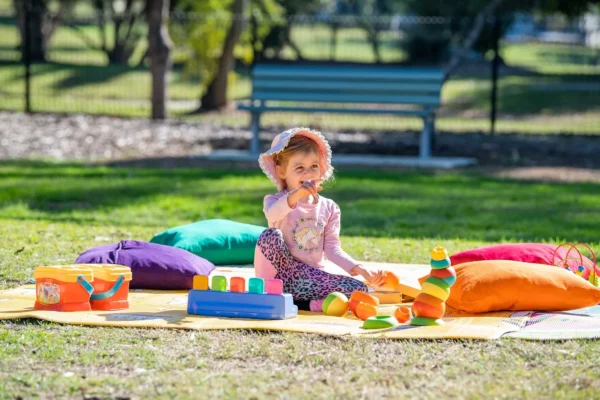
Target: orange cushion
{"points": [[500, 285]]}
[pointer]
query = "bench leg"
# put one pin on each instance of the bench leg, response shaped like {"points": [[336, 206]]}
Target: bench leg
{"points": [[255, 141], [426, 138]]}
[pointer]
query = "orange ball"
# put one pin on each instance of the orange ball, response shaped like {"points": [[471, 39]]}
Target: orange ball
{"points": [[402, 314], [425, 310], [365, 310], [391, 281], [361, 297]]}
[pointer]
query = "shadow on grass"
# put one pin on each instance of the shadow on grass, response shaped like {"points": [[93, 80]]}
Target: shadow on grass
{"points": [[375, 203], [531, 97], [81, 75], [578, 58]]}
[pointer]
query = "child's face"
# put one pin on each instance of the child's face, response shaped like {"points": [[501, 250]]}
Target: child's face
{"points": [[300, 167]]}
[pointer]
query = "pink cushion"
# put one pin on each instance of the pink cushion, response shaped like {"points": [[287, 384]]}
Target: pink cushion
{"points": [[535, 253]]}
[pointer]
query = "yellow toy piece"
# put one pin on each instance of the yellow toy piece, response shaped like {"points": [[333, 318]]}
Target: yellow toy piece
{"points": [[200, 282], [435, 291], [439, 254]]}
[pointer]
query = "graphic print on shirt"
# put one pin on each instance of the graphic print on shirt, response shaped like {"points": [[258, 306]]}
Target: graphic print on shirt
{"points": [[307, 234]]}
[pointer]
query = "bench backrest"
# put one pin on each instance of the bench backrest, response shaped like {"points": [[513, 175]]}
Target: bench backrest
{"points": [[348, 84]]}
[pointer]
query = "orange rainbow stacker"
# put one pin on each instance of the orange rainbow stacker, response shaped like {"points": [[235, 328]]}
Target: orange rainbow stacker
{"points": [[430, 305]]}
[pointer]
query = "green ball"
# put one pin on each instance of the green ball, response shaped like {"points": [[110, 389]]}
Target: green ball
{"points": [[336, 305]]}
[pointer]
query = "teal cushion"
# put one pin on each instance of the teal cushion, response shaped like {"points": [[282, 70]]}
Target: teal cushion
{"points": [[219, 241]]}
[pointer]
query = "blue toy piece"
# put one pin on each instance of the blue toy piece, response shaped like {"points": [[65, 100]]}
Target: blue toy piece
{"points": [[241, 305], [257, 305]]}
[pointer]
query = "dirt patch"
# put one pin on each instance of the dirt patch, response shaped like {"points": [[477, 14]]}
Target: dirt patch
{"points": [[176, 143], [547, 174], [499, 150]]}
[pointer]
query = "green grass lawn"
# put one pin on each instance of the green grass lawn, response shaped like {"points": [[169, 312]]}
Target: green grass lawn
{"points": [[553, 59], [49, 213]]}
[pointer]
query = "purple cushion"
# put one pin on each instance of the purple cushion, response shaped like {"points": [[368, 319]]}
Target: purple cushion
{"points": [[153, 266]]}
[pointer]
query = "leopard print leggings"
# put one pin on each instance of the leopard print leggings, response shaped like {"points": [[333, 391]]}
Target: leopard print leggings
{"points": [[301, 280]]}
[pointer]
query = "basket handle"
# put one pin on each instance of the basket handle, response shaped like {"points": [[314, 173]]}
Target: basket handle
{"points": [[111, 291], [86, 285]]}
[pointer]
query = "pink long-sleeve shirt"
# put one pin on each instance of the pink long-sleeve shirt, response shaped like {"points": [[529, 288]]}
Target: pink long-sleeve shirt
{"points": [[311, 232]]}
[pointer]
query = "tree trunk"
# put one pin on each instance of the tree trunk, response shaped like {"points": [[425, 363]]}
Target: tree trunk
{"points": [[333, 42], [160, 46], [256, 55], [374, 39], [216, 93], [287, 32], [478, 25], [38, 24], [119, 54]]}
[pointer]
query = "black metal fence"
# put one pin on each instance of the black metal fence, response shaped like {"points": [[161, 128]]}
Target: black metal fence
{"points": [[547, 71]]}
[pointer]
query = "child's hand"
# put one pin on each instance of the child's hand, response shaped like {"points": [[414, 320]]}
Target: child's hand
{"points": [[308, 188], [373, 276]]}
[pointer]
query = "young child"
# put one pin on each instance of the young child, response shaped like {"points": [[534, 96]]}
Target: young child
{"points": [[304, 227]]}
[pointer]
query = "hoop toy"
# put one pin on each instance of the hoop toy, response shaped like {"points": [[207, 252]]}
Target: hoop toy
{"points": [[583, 269]]}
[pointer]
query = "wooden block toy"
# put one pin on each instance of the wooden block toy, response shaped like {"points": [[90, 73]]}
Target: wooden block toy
{"points": [[392, 283], [237, 303], [387, 297]]}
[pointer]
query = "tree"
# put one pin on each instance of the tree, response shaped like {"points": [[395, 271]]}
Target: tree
{"points": [[280, 19], [42, 24], [264, 16], [213, 30], [372, 16], [159, 51], [474, 34], [467, 25], [202, 27], [127, 30], [215, 96]]}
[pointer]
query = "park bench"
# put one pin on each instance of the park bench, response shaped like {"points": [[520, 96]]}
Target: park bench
{"points": [[351, 89]]}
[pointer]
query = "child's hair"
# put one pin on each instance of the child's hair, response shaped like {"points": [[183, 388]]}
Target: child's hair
{"points": [[297, 144]]}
